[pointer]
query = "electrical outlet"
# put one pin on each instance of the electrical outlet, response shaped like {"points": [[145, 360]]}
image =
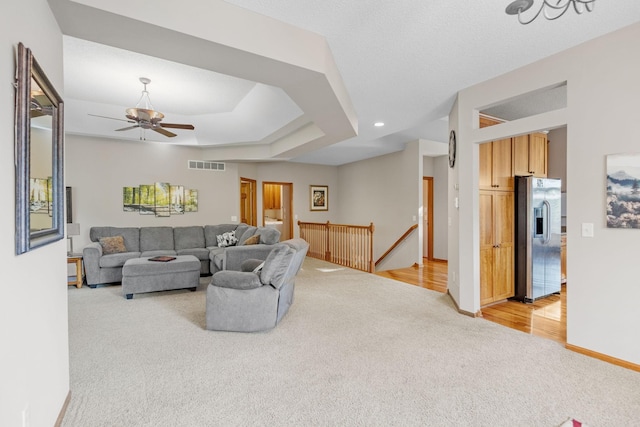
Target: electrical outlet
{"points": [[234, 218]]}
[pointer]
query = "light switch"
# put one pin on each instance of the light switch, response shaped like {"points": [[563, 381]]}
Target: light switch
{"points": [[587, 229], [414, 218], [234, 218]]}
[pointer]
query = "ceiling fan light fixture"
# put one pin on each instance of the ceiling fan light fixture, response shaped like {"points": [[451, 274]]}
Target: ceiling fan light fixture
{"points": [[551, 9]]}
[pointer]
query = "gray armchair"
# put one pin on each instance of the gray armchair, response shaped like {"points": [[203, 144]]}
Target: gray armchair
{"points": [[247, 301]]}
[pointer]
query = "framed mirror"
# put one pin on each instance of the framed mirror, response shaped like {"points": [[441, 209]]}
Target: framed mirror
{"points": [[39, 157]]}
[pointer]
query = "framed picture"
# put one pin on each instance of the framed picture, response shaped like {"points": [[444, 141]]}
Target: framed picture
{"points": [[623, 190], [319, 196]]}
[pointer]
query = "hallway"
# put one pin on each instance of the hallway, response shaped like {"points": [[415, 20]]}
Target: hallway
{"points": [[545, 318]]}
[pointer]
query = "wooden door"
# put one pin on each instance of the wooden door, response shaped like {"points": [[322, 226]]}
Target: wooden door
{"points": [[502, 165], [503, 231], [521, 155], [248, 214], [427, 212], [496, 246], [485, 180], [486, 246], [538, 154]]}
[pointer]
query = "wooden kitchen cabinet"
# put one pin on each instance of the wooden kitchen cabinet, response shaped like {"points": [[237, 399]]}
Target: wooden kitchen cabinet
{"points": [[272, 196], [496, 165], [496, 246], [530, 154]]}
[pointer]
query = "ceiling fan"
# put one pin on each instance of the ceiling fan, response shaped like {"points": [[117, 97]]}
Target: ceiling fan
{"points": [[145, 117]]}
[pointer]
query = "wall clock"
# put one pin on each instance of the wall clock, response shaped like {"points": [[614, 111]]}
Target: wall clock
{"points": [[452, 149]]}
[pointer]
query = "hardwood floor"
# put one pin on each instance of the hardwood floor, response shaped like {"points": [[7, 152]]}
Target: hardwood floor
{"points": [[546, 317]]}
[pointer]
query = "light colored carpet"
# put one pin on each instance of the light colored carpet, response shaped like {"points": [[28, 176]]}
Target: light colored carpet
{"points": [[355, 349]]}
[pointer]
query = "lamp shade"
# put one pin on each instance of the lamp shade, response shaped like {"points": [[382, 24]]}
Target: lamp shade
{"points": [[73, 229]]}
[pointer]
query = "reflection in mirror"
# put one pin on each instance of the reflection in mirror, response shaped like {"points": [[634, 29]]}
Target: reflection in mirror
{"points": [[39, 148]]}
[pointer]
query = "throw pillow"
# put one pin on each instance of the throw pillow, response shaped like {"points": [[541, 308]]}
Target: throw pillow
{"points": [[227, 239], [253, 240], [112, 245]]}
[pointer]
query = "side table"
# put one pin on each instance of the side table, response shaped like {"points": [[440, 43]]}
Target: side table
{"points": [[77, 260]]}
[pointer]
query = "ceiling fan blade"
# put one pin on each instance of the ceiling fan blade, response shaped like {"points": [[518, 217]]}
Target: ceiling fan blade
{"points": [[164, 132], [128, 128], [177, 126], [112, 118]]}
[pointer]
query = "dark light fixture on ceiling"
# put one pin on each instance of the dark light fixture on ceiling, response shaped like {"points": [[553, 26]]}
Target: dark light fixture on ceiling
{"points": [[551, 9]]}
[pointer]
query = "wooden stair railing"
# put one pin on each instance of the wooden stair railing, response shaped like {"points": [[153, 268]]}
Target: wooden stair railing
{"points": [[342, 244], [397, 243]]}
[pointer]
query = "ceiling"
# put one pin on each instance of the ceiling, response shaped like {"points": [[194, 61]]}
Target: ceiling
{"points": [[314, 94]]}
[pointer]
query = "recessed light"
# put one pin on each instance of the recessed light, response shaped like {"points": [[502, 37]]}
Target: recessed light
{"points": [[378, 124]]}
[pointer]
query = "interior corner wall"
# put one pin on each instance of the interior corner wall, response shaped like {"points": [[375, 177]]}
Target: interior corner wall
{"points": [[34, 345], [601, 118], [440, 209], [385, 190], [436, 167], [557, 163], [97, 169]]}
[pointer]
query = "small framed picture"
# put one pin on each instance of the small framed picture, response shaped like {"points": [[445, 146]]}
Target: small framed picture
{"points": [[319, 196]]}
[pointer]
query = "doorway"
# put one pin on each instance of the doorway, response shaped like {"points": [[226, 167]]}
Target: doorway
{"points": [[427, 218], [277, 207], [248, 214]]}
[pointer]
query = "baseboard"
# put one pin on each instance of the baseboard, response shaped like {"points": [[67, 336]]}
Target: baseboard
{"points": [[465, 312], [603, 357], [63, 411]]}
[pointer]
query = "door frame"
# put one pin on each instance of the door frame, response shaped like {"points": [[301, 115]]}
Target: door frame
{"points": [[286, 204], [428, 181], [253, 184]]}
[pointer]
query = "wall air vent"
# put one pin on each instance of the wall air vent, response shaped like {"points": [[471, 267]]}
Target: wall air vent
{"points": [[206, 165]]}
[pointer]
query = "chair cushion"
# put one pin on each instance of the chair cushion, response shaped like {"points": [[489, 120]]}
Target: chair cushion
{"points": [[236, 280], [276, 265]]}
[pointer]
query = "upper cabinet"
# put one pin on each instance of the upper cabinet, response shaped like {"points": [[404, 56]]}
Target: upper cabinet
{"points": [[530, 155], [496, 165]]}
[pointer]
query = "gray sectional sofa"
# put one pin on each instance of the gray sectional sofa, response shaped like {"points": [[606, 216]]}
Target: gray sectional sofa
{"points": [[199, 241]]}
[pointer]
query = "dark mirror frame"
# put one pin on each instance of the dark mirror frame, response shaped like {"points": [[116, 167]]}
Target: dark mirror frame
{"points": [[26, 239]]}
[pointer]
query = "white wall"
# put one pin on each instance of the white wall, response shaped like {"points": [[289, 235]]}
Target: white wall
{"points": [[387, 191], [557, 164], [302, 176], [34, 368], [601, 118], [98, 169]]}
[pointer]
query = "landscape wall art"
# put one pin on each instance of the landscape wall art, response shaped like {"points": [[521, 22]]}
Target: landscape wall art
{"points": [[623, 190], [160, 199]]}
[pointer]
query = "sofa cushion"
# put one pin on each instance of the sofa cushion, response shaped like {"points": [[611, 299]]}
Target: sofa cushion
{"points": [[250, 232], [212, 231], [156, 238], [188, 237], [268, 235], [112, 245], [276, 265], [131, 235], [227, 239], [253, 240], [117, 260], [201, 253]]}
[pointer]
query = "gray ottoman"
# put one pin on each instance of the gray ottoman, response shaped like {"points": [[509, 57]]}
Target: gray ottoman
{"points": [[141, 275]]}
